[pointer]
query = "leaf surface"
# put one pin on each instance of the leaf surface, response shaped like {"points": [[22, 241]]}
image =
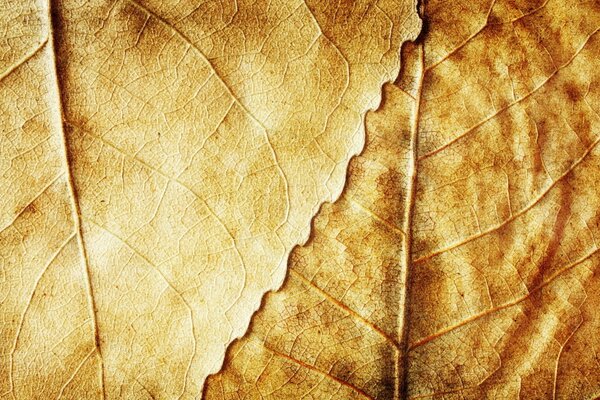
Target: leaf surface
{"points": [[461, 261], [159, 162]]}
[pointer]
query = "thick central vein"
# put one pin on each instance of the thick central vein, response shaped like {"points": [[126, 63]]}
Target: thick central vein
{"points": [[56, 105], [411, 172]]}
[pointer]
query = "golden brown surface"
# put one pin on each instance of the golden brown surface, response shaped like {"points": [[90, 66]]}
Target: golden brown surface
{"points": [[159, 162], [493, 292]]}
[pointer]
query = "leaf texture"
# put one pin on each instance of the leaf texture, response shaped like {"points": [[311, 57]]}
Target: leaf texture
{"points": [[332, 330], [159, 162], [461, 261]]}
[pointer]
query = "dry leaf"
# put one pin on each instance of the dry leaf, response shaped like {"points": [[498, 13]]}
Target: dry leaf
{"points": [[331, 331], [159, 162], [493, 292]]}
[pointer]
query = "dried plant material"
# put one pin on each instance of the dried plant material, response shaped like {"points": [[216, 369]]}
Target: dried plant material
{"points": [[159, 162], [461, 261], [332, 330]]}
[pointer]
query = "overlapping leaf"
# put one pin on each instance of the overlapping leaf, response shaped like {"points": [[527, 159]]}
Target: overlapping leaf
{"points": [[479, 279], [159, 161]]}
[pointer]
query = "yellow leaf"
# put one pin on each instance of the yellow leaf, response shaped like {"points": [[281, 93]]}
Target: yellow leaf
{"points": [[159, 162], [461, 261]]}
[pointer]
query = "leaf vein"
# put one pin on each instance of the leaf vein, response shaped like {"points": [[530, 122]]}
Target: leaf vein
{"points": [[514, 216], [509, 304], [514, 103]]}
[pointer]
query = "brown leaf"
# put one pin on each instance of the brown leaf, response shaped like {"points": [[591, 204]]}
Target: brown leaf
{"points": [[159, 162], [493, 291], [332, 330]]}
